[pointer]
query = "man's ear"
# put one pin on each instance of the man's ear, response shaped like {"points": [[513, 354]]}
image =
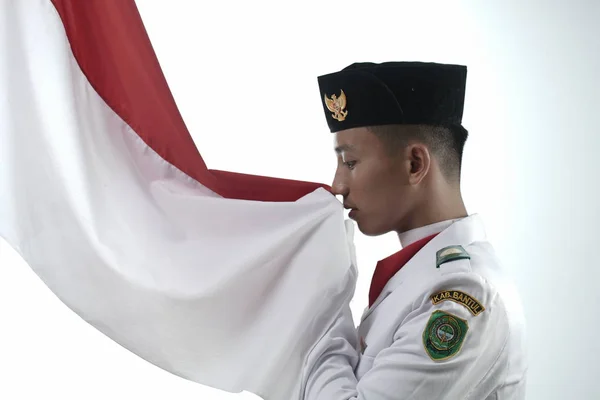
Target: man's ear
{"points": [[418, 162]]}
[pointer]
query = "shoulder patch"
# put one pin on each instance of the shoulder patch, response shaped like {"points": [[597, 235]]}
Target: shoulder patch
{"points": [[472, 304], [450, 253], [444, 335]]}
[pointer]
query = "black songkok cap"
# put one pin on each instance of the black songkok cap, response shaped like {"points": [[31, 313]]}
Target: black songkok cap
{"points": [[369, 94]]}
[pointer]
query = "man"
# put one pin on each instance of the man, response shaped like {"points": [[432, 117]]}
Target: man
{"points": [[444, 321]]}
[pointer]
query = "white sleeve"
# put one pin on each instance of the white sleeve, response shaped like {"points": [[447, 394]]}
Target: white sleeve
{"points": [[440, 351], [329, 371]]}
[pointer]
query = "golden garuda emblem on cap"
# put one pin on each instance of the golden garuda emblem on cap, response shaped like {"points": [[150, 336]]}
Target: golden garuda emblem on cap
{"points": [[337, 105]]}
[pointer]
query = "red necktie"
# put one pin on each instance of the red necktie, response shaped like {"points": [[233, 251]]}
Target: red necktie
{"points": [[387, 268]]}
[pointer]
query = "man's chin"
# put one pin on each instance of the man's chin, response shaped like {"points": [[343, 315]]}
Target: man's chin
{"points": [[370, 229]]}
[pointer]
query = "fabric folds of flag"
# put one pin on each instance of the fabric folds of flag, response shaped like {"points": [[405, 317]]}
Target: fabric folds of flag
{"points": [[217, 277]]}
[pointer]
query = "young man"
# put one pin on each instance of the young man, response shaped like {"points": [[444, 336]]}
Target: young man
{"points": [[444, 321]]}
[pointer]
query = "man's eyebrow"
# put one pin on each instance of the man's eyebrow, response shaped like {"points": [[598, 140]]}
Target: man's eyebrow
{"points": [[343, 147]]}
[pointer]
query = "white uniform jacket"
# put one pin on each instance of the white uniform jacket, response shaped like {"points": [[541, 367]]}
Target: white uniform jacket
{"points": [[450, 331]]}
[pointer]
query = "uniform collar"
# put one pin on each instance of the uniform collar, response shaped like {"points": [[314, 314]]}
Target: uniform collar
{"points": [[409, 237]]}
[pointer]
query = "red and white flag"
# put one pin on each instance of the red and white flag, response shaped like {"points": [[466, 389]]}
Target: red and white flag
{"points": [[214, 276]]}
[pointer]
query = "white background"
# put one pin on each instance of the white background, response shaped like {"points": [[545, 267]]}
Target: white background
{"points": [[244, 78]]}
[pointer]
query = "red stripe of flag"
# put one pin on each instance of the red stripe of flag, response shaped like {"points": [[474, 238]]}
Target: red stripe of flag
{"points": [[111, 45]]}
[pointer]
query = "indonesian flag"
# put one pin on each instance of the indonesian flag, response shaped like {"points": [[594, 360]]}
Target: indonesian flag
{"points": [[225, 279]]}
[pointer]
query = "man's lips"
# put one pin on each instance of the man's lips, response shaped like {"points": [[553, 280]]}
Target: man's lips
{"points": [[353, 210]]}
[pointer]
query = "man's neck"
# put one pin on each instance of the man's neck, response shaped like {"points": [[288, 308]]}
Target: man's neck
{"points": [[435, 209]]}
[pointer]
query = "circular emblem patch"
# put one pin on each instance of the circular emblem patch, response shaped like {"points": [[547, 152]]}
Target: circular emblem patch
{"points": [[444, 335]]}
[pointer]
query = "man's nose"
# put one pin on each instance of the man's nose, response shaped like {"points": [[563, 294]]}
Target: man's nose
{"points": [[339, 188]]}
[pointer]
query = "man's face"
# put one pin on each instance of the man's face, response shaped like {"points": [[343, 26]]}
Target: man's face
{"points": [[373, 183]]}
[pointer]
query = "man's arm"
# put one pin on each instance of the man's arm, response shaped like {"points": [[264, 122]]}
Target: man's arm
{"points": [[329, 371], [440, 351]]}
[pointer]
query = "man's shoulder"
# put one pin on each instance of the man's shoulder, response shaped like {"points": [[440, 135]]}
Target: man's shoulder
{"points": [[477, 263], [479, 280]]}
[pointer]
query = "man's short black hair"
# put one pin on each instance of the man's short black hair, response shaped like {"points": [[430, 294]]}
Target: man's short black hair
{"points": [[446, 143]]}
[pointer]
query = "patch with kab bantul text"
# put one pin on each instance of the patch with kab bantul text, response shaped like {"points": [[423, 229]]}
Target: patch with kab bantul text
{"points": [[444, 335], [470, 302]]}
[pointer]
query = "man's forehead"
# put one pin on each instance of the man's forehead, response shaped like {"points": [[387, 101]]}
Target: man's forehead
{"points": [[342, 148], [352, 140]]}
